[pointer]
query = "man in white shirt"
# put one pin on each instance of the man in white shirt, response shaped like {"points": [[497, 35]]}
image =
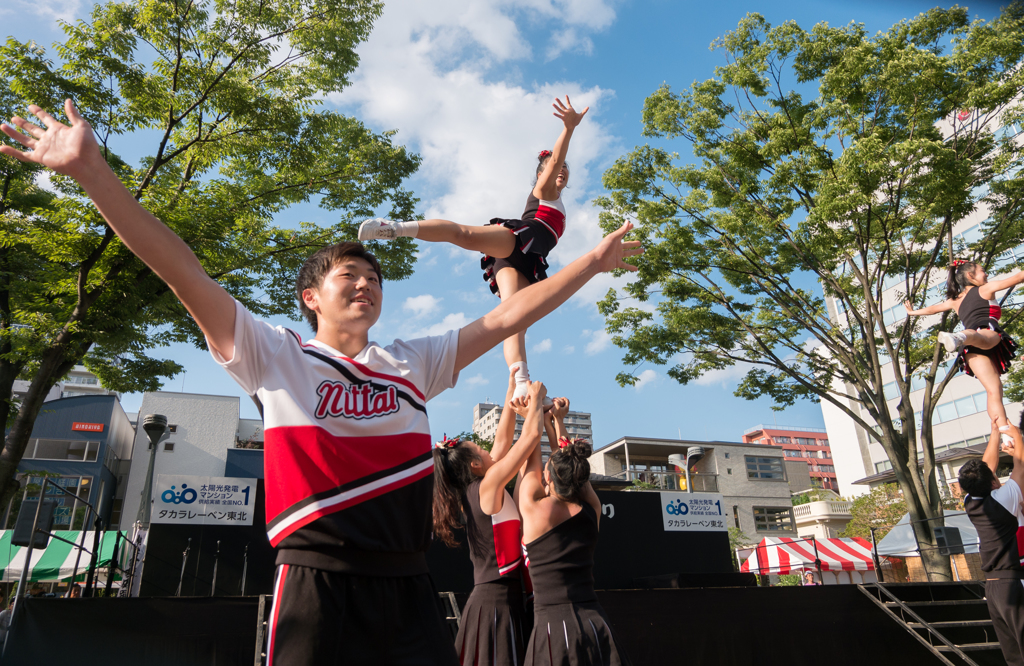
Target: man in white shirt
{"points": [[995, 511], [347, 443]]}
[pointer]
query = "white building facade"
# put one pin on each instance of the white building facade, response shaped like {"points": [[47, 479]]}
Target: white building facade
{"points": [[486, 416]]}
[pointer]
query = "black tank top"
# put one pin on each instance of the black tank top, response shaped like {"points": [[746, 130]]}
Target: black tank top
{"points": [[976, 312], [495, 542], [562, 561], [997, 534]]}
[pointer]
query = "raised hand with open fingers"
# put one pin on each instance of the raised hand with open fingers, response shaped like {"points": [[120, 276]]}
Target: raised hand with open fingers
{"points": [[568, 115], [612, 251], [67, 149]]}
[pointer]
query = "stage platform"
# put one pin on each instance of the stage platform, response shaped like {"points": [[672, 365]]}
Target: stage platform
{"points": [[737, 626]]}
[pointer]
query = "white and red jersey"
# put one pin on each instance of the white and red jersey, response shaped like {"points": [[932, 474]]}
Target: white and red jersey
{"points": [[347, 446], [494, 541], [549, 213]]}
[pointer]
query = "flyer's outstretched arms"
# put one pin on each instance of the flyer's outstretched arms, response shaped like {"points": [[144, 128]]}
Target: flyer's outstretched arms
{"points": [[72, 150], [536, 301], [547, 187]]}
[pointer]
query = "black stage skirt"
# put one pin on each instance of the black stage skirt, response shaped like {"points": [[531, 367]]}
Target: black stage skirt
{"points": [[533, 243], [573, 635], [494, 629], [1002, 354]]}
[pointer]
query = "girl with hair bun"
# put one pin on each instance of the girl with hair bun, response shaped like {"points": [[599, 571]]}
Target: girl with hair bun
{"points": [[515, 251], [983, 349], [469, 491], [561, 516]]}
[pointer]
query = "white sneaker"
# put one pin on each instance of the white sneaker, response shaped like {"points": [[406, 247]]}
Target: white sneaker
{"points": [[952, 341], [377, 229]]}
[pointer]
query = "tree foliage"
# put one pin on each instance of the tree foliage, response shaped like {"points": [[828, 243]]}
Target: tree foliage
{"points": [[223, 101], [823, 163], [881, 509]]}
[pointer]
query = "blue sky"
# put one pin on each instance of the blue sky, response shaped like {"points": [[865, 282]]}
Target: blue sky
{"points": [[468, 84]]}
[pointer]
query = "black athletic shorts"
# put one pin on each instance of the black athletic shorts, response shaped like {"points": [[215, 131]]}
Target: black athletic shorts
{"points": [[329, 617]]}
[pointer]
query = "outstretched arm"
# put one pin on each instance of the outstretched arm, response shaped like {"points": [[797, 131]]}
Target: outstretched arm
{"points": [[73, 151], [503, 471], [528, 305], [991, 455], [506, 429], [989, 290], [546, 187], [931, 309], [559, 410]]}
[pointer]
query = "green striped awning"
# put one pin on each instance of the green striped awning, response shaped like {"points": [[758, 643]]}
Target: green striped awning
{"points": [[56, 562]]}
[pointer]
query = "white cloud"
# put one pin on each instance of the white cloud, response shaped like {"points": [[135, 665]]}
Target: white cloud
{"points": [[568, 349], [450, 322], [599, 341], [644, 378], [430, 70], [541, 347], [64, 10], [422, 305], [476, 380], [726, 377]]}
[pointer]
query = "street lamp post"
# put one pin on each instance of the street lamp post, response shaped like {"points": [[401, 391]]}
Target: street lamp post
{"points": [[155, 426]]}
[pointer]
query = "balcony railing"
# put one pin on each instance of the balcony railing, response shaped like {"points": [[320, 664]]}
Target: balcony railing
{"points": [[702, 483], [782, 427], [824, 510]]}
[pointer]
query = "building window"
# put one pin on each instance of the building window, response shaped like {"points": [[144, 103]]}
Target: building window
{"points": [[727, 455], [765, 468], [791, 454], [783, 440], [728, 470], [736, 515], [883, 466], [823, 442], [168, 446], [60, 449], [773, 518], [803, 441], [70, 513]]}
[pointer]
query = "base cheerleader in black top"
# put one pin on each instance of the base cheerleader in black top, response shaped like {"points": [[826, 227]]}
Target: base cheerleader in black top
{"points": [[983, 349], [469, 487], [561, 515], [515, 250]]}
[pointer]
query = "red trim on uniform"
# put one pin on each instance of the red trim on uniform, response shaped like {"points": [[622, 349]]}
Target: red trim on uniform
{"points": [[994, 311], [275, 612], [360, 367], [552, 218], [300, 461], [507, 549], [334, 508]]}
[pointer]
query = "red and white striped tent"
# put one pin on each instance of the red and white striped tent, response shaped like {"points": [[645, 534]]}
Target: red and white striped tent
{"points": [[785, 555]]}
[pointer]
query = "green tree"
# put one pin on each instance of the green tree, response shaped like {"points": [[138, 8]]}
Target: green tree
{"points": [[881, 509], [482, 442], [825, 160], [228, 111]]}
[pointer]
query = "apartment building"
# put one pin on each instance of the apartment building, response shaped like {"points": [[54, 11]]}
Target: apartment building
{"points": [[959, 420], [809, 444], [80, 381], [486, 416], [754, 479]]}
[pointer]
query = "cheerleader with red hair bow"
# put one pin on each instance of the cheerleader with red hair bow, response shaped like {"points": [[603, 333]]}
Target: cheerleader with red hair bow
{"points": [[515, 251], [983, 349]]}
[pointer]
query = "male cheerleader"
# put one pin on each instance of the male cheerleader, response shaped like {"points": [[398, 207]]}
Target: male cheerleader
{"points": [[995, 511], [348, 466]]}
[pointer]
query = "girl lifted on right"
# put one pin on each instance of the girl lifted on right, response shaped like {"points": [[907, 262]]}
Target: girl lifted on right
{"points": [[985, 351]]}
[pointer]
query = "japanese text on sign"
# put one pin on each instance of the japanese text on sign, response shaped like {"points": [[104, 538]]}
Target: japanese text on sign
{"points": [[203, 500], [693, 512]]}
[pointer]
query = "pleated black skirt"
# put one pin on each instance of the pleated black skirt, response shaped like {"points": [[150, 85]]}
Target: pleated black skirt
{"points": [[575, 634], [494, 629], [534, 240]]}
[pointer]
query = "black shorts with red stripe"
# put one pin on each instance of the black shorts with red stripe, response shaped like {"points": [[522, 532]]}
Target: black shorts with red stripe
{"points": [[329, 617]]}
